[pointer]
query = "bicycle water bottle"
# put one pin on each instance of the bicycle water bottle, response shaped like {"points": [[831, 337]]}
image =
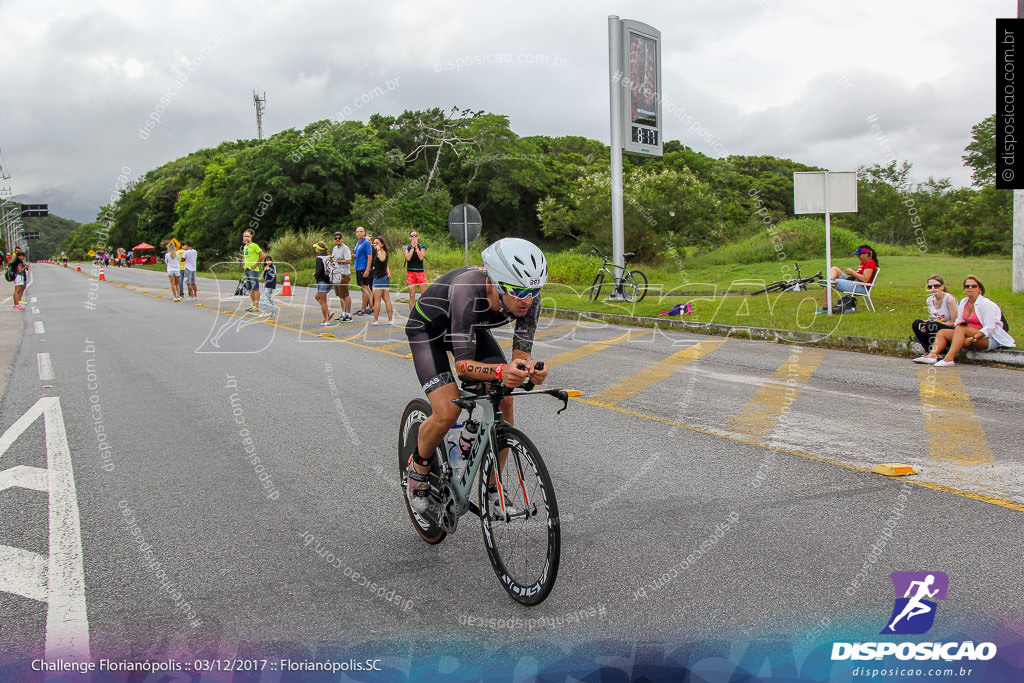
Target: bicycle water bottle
{"points": [[466, 439], [455, 458]]}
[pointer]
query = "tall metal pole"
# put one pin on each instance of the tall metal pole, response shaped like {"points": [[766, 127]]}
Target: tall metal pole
{"points": [[828, 247], [1018, 218], [615, 90]]}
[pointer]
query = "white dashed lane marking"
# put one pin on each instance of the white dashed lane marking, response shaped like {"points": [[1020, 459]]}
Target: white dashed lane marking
{"points": [[45, 367]]}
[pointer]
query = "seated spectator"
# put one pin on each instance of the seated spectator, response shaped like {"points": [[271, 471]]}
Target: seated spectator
{"points": [[848, 280], [978, 327], [942, 307]]}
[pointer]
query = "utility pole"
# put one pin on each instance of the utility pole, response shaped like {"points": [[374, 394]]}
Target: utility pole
{"points": [[261, 104]]}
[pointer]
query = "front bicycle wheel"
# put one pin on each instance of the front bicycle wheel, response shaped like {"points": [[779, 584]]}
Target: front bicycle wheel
{"points": [[635, 286], [415, 413], [595, 289], [523, 536]]}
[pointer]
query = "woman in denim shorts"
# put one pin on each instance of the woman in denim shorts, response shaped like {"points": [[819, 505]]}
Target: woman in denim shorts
{"points": [[322, 275], [381, 275]]}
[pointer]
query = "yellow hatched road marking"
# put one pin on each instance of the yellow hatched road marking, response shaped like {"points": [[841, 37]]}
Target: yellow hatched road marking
{"points": [[652, 374], [766, 407], [593, 347], [954, 433], [985, 498]]}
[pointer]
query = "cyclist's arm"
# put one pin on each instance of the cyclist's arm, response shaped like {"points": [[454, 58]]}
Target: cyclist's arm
{"points": [[510, 374]]}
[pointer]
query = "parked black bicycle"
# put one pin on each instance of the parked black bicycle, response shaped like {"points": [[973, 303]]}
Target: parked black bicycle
{"points": [[796, 284], [634, 282]]}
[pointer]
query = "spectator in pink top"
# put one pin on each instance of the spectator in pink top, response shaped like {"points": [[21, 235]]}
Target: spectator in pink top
{"points": [[979, 327]]}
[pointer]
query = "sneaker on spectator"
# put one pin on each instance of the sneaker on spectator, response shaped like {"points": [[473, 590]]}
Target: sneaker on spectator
{"points": [[945, 363], [925, 359]]}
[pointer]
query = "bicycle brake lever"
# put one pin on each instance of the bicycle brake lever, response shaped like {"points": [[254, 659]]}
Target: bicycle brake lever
{"points": [[564, 396]]}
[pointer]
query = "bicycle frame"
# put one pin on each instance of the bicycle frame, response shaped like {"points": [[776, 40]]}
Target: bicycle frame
{"points": [[491, 420]]}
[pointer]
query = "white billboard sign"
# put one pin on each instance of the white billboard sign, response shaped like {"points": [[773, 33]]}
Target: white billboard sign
{"points": [[809, 194]]}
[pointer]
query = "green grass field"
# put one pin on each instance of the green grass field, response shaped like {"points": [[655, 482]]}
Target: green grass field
{"points": [[899, 294]]}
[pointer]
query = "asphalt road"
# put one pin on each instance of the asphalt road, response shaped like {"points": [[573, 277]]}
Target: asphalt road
{"points": [[711, 490]]}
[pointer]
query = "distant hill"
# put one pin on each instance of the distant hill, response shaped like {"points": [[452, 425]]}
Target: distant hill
{"points": [[52, 232]]}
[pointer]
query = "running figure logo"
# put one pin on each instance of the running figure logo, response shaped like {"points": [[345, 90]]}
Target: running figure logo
{"points": [[914, 612]]}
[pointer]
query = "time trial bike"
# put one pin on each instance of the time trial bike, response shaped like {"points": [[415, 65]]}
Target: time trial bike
{"points": [[520, 525]]}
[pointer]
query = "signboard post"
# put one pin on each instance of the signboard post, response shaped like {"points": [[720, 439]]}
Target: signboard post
{"points": [[827, 193], [634, 68], [464, 225]]}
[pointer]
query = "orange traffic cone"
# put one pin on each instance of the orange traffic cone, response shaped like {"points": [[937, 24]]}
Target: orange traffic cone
{"points": [[287, 289], [79, 269], [101, 274]]}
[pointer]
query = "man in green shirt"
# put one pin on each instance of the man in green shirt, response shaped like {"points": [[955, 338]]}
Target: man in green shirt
{"points": [[252, 257]]}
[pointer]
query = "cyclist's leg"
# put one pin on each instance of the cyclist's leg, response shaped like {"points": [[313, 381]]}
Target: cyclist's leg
{"points": [[430, 359]]}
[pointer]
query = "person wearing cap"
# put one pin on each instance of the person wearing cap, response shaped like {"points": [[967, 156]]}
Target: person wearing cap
{"points": [[415, 274], [322, 275], [848, 280], [342, 257]]}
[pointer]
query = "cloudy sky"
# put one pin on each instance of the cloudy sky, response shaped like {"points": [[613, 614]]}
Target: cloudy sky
{"points": [[789, 78]]}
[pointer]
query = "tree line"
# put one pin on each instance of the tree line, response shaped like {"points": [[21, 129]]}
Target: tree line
{"points": [[395, 173]]}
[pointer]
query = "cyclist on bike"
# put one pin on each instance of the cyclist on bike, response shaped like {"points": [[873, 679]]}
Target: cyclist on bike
{"points": [[455, 314]]}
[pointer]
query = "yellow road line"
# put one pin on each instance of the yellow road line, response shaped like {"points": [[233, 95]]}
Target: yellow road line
{"points": [[954, 434], [771, 401], [593, 347], [652, 374]]}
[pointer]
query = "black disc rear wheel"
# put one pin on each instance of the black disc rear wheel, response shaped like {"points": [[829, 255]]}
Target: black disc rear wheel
{"points": [[415, 413]]}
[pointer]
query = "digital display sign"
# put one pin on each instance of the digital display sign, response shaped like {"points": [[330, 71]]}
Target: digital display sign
{"points": [[641, 78]]}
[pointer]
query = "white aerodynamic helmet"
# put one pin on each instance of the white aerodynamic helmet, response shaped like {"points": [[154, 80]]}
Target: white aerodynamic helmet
{"points": [[516, 263]]}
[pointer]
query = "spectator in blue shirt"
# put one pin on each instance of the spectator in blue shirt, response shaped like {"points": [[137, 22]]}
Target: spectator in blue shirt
{"points": [[362, 254]]}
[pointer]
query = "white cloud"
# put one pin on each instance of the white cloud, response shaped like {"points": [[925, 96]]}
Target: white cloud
{"points": [[791, 78]]}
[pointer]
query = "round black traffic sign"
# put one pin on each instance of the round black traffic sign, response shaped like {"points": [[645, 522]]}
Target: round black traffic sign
{"points": [[464, 223]]}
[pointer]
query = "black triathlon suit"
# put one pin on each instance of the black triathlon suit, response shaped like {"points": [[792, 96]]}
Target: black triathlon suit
{"points": [[454, 315]]}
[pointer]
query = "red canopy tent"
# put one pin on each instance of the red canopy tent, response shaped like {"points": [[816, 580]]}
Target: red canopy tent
{"points": [[143, 259]]}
